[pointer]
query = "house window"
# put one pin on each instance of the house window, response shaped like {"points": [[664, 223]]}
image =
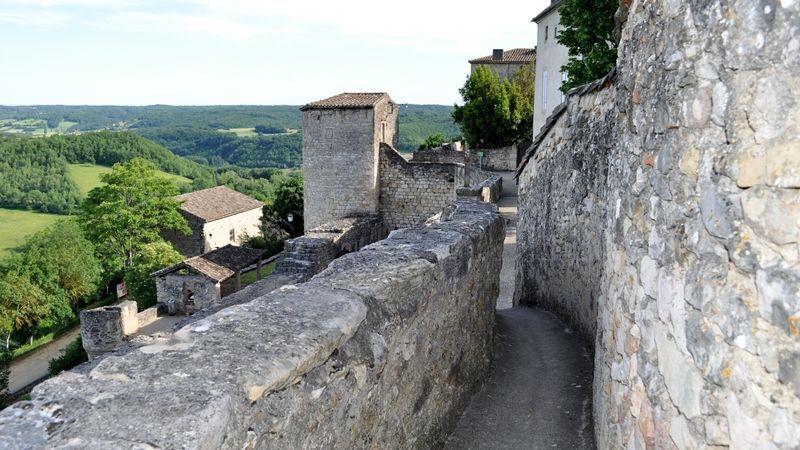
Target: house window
{"points": [[544, 91], [555, 31], [233, 234], [383, 131], [563, 80], [546, 30]]}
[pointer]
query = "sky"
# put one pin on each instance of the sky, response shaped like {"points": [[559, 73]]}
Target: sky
{"points": [[268, 52]]}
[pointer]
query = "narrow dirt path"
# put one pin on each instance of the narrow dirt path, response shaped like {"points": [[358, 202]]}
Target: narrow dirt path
{"points": [[33, 366], [539, 394]]}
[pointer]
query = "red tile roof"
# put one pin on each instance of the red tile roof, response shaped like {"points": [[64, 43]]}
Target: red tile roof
{"points": [[348, 100], [515, 55], [216, 203]]}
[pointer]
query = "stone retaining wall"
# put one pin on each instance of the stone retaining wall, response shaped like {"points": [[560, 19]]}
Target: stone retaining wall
{"points": [[660, 214], [382, 349], [411, 192], [452, 153], [307, 255], [499, 159]]}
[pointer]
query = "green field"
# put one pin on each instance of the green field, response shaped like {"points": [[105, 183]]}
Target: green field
{"points": [[87, 176], [15, 225], [33, 127], [250, 132]]}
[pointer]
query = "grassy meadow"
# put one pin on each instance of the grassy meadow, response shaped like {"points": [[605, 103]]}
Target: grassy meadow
{"points": [[87, 176], [15, 225]]}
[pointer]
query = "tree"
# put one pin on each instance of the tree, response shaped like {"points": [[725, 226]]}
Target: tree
{"points": [[495, 113], [22, 304], [61, 261], [587, 30], [152, 257], [433, 141], [130, 210], [287, 199], [5, 373]]}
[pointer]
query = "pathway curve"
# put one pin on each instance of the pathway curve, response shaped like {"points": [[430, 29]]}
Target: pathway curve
{"points": [[539, 394], [33, 366]]}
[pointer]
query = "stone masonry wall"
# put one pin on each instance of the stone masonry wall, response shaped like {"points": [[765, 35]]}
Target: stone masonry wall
{"points": [[382, 349], [502, 159], [307, 255], [340, 160], [673, 198], [412, 192]]}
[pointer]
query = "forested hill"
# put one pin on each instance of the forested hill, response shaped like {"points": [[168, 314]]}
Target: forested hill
{"points": [[34, 173], [249, 136]]}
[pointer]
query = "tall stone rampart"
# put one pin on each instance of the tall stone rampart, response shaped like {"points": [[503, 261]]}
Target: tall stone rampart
{"points": [[382, 349], [660, 212]]}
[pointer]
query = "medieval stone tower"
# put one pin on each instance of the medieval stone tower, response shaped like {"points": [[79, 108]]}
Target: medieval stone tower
{"points": [[341, 140]]}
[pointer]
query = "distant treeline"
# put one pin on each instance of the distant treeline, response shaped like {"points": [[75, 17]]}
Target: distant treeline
{"points": [[217, 148], [34, 173], [198, 131], [90, 118]]}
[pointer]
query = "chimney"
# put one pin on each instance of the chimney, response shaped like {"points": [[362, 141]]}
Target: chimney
{"points": [[497, 54]]}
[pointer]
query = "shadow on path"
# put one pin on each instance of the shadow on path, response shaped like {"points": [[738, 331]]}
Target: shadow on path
{"points": [[539, 394]]}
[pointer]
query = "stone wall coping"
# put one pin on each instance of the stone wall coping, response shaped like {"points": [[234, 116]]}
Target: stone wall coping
{"points": [[580, 91]]}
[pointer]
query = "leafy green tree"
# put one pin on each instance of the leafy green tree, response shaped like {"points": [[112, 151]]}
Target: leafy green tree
{"points": [[287, 199], [495, 113], [433, 141], [61, 261], [5, 373], [152, 257], [22, 304], [130, 210], [587, 30]]}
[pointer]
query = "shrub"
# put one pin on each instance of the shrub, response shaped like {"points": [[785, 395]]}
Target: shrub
{"points": [[73, 355]]}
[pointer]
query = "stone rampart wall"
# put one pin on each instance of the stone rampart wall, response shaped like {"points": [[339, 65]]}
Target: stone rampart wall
{"points": [[499, 159], [671, 197], [382, 349], [412, 192], [309, 254], [451, 153]]}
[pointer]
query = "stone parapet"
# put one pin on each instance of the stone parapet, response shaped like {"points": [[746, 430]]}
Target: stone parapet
{"points": [[381, 349], [103, 329]]}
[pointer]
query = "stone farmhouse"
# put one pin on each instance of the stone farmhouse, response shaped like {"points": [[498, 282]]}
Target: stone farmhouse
{"points": [[202, 281], [505, 63], [217, 217], [550, 56]]}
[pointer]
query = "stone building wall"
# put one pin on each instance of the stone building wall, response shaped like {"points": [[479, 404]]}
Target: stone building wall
{"points": [[411, 192], [672, 197], [217, 233], [207, 236], [172, 289], [191, 244], [382, 349], [340, 160]]}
